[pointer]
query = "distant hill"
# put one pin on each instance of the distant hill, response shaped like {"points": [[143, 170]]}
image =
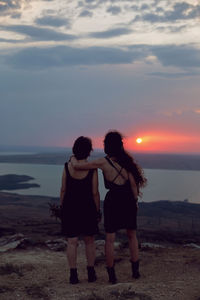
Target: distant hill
{"points": [[31, 149], [169, 161], [147, 161]]}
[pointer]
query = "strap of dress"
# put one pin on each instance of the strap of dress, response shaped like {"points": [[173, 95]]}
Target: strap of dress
{"points": [[118, 171]]}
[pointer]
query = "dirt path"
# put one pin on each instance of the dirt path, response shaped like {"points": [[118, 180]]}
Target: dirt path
{"points": [[168, 273]]}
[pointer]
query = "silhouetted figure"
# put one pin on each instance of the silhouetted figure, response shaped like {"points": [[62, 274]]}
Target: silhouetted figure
{"points": [[80, 204]]}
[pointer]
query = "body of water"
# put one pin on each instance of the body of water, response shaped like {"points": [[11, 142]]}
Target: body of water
{"points": [[162, 184]]}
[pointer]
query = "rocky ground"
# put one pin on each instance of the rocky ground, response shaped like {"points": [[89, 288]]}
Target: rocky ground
{"points": [[33, 262], [166, 273]]}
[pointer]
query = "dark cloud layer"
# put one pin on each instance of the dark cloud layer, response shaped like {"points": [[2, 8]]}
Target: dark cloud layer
{"points": [[40, 34], [183, 57], [61, 56], [178, 56]]}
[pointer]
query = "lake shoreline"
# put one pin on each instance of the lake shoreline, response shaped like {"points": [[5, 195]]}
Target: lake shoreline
{"points": [[147, 161]]}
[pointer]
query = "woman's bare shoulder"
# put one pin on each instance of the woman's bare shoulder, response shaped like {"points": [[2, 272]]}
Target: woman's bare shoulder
{"points": [[100, 160]]}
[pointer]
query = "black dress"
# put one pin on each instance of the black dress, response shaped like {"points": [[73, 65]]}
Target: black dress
{"points": [[120, 208], [79, 215]]}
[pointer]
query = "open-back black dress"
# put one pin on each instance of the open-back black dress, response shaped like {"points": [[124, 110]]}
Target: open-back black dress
{"points": [[120, 208], [79, 215]]}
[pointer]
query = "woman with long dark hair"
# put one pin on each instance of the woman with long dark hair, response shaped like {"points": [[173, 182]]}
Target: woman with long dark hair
{"points": [[123, 178], [80, 204]]}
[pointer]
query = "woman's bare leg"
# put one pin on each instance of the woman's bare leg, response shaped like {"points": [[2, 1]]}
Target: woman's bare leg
{"points": [[109, 249], [90, 250], [72, 252], [133, 245]]}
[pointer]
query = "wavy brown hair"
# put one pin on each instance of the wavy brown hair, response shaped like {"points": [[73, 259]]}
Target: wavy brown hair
{"points": [[113, 146]]}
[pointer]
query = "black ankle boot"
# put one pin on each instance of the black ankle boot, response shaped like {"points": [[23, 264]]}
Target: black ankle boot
{"points": [[135, 269], [111, 275], [91, 274], [73, 279]]}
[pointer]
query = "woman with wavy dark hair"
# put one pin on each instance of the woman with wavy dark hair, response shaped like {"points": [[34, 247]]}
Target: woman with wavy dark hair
{"points": [[80, 204], [123, 178]]}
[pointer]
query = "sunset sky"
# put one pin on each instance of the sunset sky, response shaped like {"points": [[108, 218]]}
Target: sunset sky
{"points": [[71, 68]]}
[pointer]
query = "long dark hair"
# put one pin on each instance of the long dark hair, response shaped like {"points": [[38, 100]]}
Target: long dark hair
{"points": [[82, 147], [113, 147]]}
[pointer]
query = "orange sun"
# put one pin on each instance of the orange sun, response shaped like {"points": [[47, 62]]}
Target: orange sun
{"points": [[139, 140]]}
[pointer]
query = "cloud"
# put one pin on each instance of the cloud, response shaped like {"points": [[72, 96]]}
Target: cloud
{"points": [[144, 6], [16, 15], [9, 41], [9, 4], [172, 29], [180, 11], [179, 56], [86, 13], [52, 21], [90, 1], [10, 7], [61, 56], [110, 33], [114, 10], [39, 34], [135, 7], [183, 57]]}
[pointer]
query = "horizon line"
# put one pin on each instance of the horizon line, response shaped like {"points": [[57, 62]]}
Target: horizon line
{"points": [[18, 148]]}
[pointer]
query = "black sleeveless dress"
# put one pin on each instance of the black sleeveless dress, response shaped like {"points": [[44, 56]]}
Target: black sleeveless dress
{"points": [[120, 208], [79, 215]]}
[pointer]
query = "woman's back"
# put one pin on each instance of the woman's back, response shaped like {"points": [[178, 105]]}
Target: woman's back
{"points": [[113, 172], [78, 187], [78, 208]]}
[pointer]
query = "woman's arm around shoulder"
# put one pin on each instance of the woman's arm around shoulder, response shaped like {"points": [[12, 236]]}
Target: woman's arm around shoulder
{"points": [[94, 164]]}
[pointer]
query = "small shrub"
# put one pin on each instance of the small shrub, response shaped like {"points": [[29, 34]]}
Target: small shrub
{"points": [[55, 210]]}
